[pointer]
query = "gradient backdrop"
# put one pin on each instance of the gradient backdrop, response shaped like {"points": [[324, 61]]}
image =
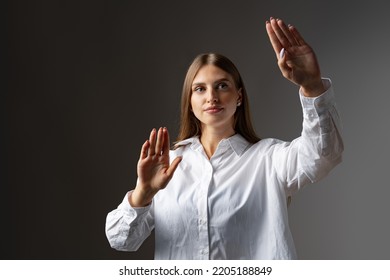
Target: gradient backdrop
{"points": [[87, 81]]}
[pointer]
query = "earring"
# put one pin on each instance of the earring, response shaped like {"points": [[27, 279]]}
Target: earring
{"points": [[238, 103]]}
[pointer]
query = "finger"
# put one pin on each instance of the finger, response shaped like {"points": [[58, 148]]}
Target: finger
{"points": [[273, 39], [287, 33], [166, 145], [297, 35], [172, 168], [152, 142], [160, 141], [144, 150], [284, 41]]}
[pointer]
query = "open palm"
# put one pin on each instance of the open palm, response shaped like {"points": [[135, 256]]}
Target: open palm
{"points": [[296, 59], [154, 168]]}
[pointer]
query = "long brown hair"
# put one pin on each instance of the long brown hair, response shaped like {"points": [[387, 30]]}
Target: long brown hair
{"points": [[189, 125]]}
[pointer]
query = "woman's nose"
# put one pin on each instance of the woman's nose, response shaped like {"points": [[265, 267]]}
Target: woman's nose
{"points": [[212, 96]]}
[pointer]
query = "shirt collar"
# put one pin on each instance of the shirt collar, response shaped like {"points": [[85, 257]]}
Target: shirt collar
{"points": [[238, 143]]}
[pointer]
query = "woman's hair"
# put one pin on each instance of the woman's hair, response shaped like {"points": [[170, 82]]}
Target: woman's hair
{"points": [[189, 125]]}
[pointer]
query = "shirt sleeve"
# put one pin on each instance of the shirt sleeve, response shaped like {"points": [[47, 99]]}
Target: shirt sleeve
{"points": [[128, 227], [318, 150]]}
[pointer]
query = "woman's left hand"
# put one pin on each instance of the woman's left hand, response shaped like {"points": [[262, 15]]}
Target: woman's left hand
{"points": [[296, 59]]}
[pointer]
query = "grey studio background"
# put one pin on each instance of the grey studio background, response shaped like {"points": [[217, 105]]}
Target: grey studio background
{"points": [[86, 82]]}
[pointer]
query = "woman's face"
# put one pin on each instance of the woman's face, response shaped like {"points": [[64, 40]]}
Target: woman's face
{"points": [[214, 98]]}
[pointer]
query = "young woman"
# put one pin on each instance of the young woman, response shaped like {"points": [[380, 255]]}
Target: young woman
{"points": [[222, 192]]}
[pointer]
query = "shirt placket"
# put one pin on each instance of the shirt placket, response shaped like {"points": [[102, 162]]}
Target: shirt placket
{"points": [[206, 180]]}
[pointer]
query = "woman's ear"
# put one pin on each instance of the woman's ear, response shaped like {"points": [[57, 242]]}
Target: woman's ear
{"points": [[239, 100]]}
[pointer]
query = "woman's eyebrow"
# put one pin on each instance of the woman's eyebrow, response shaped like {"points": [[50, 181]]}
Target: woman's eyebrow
{"points": [[198, 84], [215, 82], [222, 80]]}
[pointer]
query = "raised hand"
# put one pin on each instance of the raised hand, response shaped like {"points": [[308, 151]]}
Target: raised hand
{"points": [[296, 59], [154, 170]]}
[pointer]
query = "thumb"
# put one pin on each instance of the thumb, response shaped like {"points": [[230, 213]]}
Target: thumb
{"points": [[282, 62], [282, 53], [172, 168]]}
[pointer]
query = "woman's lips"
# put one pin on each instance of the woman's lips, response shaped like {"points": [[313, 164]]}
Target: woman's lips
{"points": [[214, 110]]}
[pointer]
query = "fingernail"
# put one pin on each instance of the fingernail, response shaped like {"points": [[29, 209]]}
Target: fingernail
{"points": [[281, 54]]}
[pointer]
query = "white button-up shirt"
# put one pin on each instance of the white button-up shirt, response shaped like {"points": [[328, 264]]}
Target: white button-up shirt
{"points": [[233, 205]]}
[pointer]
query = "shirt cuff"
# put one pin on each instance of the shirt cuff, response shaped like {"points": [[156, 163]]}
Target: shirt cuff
{"points": [[138, 211], [320, 103]]}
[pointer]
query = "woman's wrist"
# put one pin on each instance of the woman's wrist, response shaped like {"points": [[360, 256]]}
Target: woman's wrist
{"points": [[140, 197], [313, 89]]}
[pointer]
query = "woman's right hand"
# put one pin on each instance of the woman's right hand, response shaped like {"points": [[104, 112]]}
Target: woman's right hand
{"points": [[154, 170]]}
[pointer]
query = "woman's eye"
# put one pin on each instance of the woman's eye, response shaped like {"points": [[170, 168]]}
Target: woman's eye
{"points": [[198, 89], [222, 86]]}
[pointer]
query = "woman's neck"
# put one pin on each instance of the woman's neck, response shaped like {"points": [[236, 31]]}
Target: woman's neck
{"points": [[210, 139]]}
